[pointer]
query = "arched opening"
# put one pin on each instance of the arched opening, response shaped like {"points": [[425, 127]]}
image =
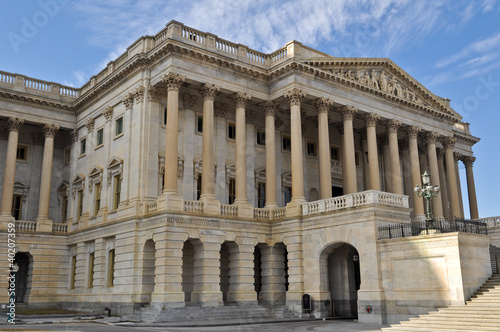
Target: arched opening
{"points": [[257, 272], [148, 270], [340, 277], [228, 268], [191, 266], [24, 274]]}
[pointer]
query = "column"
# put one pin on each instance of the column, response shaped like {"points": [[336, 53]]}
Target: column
{"points": [[324, 160], [295, 97], [211, 205], [240, 100], [449, 143], [207, 280], [444, 186], [371, 138], [10, 168], [386, 157], [392, 129], [471, 187], [273, 274], [457, 157], [48, 152], [437, 206], [173, 82], [351, 186], [418, 203], [243, 277], [271, 198]]}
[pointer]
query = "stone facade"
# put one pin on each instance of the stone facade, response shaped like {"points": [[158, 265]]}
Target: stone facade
{"points": [[195, 171]]}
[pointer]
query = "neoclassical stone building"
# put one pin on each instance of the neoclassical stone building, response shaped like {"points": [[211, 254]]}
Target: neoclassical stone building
{"points": [[196, 172]]}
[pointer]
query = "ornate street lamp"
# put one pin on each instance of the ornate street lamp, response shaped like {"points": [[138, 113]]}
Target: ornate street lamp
{"points": [[427, 192]]}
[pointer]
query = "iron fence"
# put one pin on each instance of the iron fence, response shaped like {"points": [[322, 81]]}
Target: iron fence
{"points": [[437, 226]]}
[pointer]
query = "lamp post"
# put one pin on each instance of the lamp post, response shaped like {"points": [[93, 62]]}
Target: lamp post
{"points": [[427, 192]]}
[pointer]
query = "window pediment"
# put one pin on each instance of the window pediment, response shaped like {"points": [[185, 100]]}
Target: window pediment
{"points": [[115, 167], [78, 184], [95, 176]]}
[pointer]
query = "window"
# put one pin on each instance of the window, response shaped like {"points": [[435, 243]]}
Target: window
{"points": [[261, 195], [83, 146], [334, 153], [231, 131], [286, 143], [231, 191], [288, 195], [22, 153], [119, 126], [198, 187], [90, 277], [311, 149], [80, 205], [261, 137], [72, 276], [111, 268], [164, 116], [97, 198], [117, 191], [64, 208], [356, 158], [100, 137], [67, 156], [199, 124], [17, 205]]}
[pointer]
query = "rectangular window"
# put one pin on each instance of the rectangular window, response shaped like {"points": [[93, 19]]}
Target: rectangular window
{"points": [[80, 204], [83, 146], [231, 131], [261, 137], [356, 158], [67, 156], [288, 194], [261, 195], [231, 191], [119, 126], [90, 277], [111, 268], [22, 153], [17, 205], [117, 191], [100, 137], [97, 198], [198, 187], [72, 276], [286, 143], [164, 116], [311, 149], [334, 153], [199, 124], [64, 209]]}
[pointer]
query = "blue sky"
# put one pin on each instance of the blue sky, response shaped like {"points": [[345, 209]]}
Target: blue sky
{"points": [[450, 46]]}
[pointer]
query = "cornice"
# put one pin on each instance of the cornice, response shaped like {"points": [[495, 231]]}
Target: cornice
{"points": [[35, 101], [468, 139]]}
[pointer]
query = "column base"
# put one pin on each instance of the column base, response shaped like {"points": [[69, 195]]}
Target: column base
{"points": [[44, 225], [294, 207], [170, 201], [211, 205], [245, 209]]}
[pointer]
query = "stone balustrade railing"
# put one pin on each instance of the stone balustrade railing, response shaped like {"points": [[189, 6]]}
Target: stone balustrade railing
{"points": [[492, 222], [151, 207], [25, 226], [193, 206], [59, 228], [228, 210], [38, 87]]}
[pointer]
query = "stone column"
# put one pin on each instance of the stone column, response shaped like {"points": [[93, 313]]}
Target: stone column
{"points": [[295, 97], [211, 205], [418, 203], [444, 185], [207, 283], [371, 138], [241, 198], [392, 129], [386, 157], [10, 168], [273, 275], [324, 160], [449, 143], [437, 205], [457, 157], [471, 187], [243, 277], [351, 186], [48, 152], [271, 198]]}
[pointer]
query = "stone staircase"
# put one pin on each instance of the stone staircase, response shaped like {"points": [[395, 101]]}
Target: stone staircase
{"points": [[495, 259], [480, 313]]}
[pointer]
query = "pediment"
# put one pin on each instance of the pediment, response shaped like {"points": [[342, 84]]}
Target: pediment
{"points": [[96, 171], [63, 186], [79, 178], [19, 185], [383, 77], [115, 161]]}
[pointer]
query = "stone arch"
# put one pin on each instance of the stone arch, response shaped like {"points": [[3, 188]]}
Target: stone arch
{"points": [[24, 276], [148, 270]]}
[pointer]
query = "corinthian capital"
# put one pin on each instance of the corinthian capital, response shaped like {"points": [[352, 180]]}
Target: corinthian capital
{"points": [[154, 93], [173, 81], [371, 119], [295, 96], [468, 161], [90, 124], [50, 129], [449, 142], [413, 131], [14, 123], [348, 112], [431, 137], [128, 100], [241, 99], [393, 125], [108, 113], [269, 107], [139, 93], [323, 105], [209, 90]]}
